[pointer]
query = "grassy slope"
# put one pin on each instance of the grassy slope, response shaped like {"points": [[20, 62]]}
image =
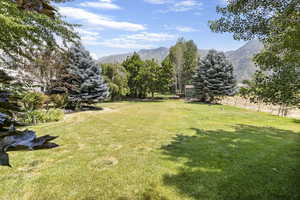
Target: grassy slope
{"points": [[161, 150]]}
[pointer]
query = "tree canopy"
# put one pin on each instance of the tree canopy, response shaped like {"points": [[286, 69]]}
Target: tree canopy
{"points": [[82, 80], [214, 77], [27, 25], [276, 23], [116, 78], [184, 56]]}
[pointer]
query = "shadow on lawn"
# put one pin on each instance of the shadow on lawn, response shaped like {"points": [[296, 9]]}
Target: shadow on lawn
{"points": [[248, 163], [297, 121]]}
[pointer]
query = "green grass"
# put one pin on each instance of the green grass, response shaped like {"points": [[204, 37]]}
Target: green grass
{"points": [[161, 150]]}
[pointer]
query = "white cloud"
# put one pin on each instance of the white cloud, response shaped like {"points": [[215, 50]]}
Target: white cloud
{"points": [[92, 19], [123, 43], [102, 4], [142, 40], [88, 37], [86, 32], [94, 55], [178, 5], [153, 37], [185, 29], [186, 5]]}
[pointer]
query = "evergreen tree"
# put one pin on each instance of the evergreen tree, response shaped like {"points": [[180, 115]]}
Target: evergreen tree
{"points": [[82, 80], [214, 77]]}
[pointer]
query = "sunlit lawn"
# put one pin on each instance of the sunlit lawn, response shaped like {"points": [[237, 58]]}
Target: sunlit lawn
{"points": [[161, 150]]}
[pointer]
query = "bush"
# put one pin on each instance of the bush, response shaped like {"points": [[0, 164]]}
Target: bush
{"points": [[59, 100], [34, 101], [43, 116]]}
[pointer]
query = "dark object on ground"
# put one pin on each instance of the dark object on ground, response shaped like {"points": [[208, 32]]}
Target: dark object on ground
{"points": [[83, 109], [13, 140]]}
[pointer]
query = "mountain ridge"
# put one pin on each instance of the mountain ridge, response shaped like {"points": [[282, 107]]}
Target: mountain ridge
{"points": [[241, 58]]}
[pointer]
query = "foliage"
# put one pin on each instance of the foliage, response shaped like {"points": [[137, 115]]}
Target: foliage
{"points": [[184, 56], [48, 65], [59, 100], [42, 116], [148, 76], [34, 101], [166, 75], [26, 25], [247, 19], [250, 91], [11, 93], [276, 22], [133, 65], [214, 77], [279, 88], [116, 78], [82, 81]]}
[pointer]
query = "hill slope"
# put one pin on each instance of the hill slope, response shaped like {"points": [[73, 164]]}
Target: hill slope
{"points": [[241, 59], [158, 54]]}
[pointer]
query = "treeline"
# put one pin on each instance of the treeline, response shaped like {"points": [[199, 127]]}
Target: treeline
{"points": [[135, 78]]}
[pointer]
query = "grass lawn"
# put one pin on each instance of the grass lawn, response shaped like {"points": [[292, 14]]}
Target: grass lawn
{"points": [[161, 151]]}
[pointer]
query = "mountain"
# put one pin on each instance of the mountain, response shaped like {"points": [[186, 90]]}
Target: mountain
{"points": [[158, 54], [241, 58]]}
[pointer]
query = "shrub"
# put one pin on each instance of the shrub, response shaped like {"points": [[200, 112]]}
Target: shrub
{"points": [[59, 100], [34, 101], [43, 116]]}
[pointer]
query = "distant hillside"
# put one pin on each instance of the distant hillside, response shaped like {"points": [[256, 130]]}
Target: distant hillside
{"points": [[241, 58], [158, 54]]}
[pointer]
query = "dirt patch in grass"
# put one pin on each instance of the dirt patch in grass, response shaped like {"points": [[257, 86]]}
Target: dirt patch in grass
{"points": [[103, 163]]}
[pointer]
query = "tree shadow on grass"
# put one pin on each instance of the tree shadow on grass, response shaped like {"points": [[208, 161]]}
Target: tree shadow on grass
{"points": [[245, 164], [297, 121]]}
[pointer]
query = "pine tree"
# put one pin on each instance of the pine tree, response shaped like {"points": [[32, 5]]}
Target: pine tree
{"points": [[214, 77], [82, 81]]}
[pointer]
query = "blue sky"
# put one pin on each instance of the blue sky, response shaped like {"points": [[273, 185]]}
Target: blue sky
{"points": [[121, 26]]}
